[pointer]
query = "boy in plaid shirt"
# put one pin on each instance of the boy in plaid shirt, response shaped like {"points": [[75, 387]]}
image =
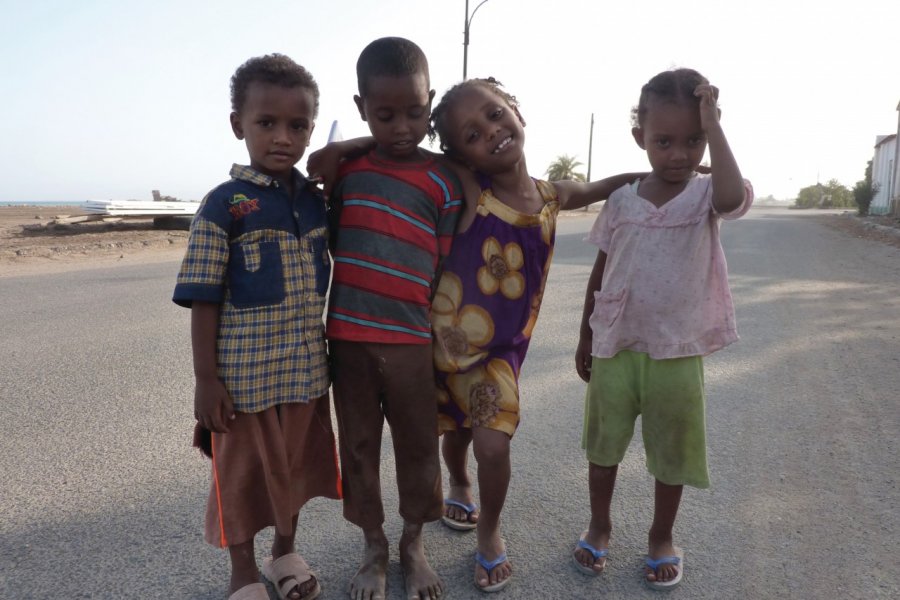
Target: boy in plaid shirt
{"points": [[255, 276]]}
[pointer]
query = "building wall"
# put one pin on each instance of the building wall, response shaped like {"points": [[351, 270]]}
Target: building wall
{"points": [[884, 169]]}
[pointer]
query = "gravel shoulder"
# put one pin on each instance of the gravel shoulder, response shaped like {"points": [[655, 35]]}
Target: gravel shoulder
{"points": [[31, 243]]}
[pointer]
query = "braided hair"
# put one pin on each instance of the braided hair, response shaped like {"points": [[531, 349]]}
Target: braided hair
{"points": [[675, 87], [437, 125]]}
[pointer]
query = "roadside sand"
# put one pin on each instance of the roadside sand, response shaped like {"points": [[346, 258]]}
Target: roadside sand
{"points": [[31, 245]]}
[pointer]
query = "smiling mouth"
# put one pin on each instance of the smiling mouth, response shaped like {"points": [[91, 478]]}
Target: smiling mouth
{"points": [[502, 145]]}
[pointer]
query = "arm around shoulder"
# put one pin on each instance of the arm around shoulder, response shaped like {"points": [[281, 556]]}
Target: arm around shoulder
{"points": [[577, 194], [323, 164]]}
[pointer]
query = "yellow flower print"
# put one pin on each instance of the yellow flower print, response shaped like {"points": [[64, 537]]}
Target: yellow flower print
{"points": [[487, 394], [445, 422], [501, 269], [548, 221], [459, 334], [537, 298]]}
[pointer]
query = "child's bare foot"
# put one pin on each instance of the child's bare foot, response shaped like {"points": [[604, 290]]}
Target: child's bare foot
{"points": [[421, 582], [370, 580], [492, 573], [669, 568], [591, 551], [460, 510]]}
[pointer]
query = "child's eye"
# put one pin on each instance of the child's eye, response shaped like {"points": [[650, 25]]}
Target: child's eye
{"points": [[384, 117], [300, 126], [497, 113], [471, 136], [264, 123], [662, 143], [695, 141]]}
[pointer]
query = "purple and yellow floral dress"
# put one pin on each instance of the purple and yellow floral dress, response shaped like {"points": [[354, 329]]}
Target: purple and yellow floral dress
{"points": [[485, 308]]}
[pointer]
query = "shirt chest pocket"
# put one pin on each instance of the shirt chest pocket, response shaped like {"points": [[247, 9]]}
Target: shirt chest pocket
{"points": [[607, 307], [256, 274]]}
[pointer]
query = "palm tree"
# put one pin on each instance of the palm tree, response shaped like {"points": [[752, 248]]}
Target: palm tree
{"points": [[564, 168]]}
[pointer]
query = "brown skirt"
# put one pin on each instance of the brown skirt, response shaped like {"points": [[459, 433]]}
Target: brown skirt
{"points": [[267, 467]]}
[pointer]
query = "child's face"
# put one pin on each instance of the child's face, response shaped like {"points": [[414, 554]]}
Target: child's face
{"points": [[673, 138], [276, 123], [397, 111], [484, 131]]}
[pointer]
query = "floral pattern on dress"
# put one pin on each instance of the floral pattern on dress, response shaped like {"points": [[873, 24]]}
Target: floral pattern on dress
{"points": [[460, 334], [501, 269], [491, 392]]}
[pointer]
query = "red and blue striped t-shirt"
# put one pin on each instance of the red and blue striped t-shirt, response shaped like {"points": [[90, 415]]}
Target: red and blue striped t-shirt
{"points": [[396, 223]]}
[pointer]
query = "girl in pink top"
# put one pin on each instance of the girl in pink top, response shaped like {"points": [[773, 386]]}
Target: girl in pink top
{"points": [[657, 301]]}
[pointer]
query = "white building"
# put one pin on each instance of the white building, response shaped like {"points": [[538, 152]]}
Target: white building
{"points": [[883, 168], [886, 173]]}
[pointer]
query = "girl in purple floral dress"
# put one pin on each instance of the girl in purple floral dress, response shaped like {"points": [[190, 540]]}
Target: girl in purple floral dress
{"points": [[487, 301]]}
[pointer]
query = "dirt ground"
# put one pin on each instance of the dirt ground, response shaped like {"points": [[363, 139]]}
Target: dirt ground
{"points": [[880, 229], [30, 243]]}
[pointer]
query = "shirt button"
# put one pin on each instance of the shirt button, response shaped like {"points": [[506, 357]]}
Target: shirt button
{"points": [[296, 215]]}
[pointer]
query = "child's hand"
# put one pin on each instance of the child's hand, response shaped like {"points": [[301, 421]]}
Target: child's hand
{"points": [[709, 108], [583, 358], [322, 166], [213, 407]]}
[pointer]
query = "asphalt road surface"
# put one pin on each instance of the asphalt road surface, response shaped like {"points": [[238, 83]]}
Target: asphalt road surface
{"points": [[101, 495]]}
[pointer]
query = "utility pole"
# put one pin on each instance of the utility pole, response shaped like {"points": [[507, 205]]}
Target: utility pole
{"points": [[590, 148], [468, 23]]}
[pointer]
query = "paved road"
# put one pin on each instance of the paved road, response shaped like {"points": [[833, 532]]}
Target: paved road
{"points": [[101, 496]]}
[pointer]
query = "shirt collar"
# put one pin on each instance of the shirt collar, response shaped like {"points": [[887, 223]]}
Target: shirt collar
{"points": [[247, 173]]}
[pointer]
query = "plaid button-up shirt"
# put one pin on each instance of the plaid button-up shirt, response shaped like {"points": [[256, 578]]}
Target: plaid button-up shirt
{"points": [[263, 256]]}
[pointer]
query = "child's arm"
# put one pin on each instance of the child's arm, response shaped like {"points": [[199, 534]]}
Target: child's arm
{"points": [[213, 407], [323, 164], [471, 190], [583, 353], [575, 194], [727, 182]]}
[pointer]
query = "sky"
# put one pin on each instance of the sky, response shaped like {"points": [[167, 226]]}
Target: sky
{"points": [[110, 100]]}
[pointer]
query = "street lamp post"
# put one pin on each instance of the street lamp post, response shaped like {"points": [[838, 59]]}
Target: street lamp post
{"points": [[590, 148], [468, 22]]}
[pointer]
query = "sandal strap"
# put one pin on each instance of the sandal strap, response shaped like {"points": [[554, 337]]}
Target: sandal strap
{"points": [[597, 554], [290, 569], [469, 508], [253, 591], [490, 565], [665, 560]]}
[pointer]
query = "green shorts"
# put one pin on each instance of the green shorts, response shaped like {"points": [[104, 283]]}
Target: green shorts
{"points": [[669, 396]]}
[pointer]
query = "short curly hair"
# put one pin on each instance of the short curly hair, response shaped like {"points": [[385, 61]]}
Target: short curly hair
{"points": [[391, 57], [437, 125], [675, 86], [276, 69]]}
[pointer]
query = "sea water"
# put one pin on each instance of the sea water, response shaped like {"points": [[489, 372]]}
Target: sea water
{"points": [[41, 203]]}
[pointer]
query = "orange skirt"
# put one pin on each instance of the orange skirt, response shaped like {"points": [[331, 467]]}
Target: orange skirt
{"points": [[267, 467]]}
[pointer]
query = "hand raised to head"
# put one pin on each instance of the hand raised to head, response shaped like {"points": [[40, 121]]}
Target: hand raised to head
{"points": [[709, 108]]}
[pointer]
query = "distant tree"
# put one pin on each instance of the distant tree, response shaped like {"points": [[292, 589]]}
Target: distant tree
{"points": [[864, 191], [830, 195], [564, 168]]}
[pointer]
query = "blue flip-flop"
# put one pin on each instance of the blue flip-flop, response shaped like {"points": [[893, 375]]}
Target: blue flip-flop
{"points": [[456, 524], [490, 565], [597, 554], [677, 560]]}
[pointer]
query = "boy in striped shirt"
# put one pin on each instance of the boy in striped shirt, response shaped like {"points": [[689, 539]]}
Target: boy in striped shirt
{"points": [[398, 209]]}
